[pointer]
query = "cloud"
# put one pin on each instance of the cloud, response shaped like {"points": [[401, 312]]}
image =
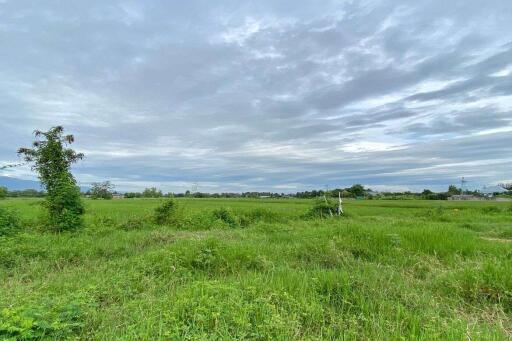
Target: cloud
{"points": [[263, 95]]}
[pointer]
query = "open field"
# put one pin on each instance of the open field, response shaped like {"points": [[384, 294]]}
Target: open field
{"points": [[388, 270]]}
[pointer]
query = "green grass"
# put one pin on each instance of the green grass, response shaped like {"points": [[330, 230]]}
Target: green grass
{"points": [[389, 270]]}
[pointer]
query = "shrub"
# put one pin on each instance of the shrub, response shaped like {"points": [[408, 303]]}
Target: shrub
{"points": [[8, 222], [227, 216], [167, 213], [322, 208], [133, 223], [64, 205], [3, 192], [40, 323]]}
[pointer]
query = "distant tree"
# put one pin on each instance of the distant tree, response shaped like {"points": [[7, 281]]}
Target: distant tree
{"points": [[3, 192], [357, 190], [102, 190], [27, 193], [507, 186], [152, 192], [133, 195], [52, 161], [453, 190], [345, 194]]}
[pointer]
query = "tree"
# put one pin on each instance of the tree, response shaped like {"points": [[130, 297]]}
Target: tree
{"points": [[152, 192], [3, 192], [507, 186], [357, 190], [102, 190], [453, 190], [52, 160]]}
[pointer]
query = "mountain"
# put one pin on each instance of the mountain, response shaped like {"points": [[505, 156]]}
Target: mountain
{"points": [[13, 184]]}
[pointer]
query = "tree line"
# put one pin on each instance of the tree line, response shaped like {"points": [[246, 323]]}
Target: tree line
{"points": [[106, 190]]}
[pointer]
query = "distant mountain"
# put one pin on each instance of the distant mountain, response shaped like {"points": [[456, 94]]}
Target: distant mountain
{"points": [[13, 184]]}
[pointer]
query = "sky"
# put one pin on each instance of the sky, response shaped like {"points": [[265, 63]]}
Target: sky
{"points": [[263, 95]]}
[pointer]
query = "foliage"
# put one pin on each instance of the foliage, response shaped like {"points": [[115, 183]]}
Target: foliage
{"points": [[391, 270], [152, 192], [453, 190], [227, 216], [26, 193], [3, 192], [9, 222], [323, 208], [507, 186], [40, 323], [64, 205], [102, 190], [357, 190], [167, 213], [52, 161]]}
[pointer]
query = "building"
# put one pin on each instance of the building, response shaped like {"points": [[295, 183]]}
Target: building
{"points": [[490, 191], [466, 197]]}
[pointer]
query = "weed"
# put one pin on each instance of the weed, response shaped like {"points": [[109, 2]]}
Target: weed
{"points": [[40, 323], [9, 222], [167, 213]]}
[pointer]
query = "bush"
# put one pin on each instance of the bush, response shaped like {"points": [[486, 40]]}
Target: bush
{"points": [[3, 192], [40, 323], [133, 223], [322, 209], [167, 214], [8, 222], [65, 206], [227, 216]]}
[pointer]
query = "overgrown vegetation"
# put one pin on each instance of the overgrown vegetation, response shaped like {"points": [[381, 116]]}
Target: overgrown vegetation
{"points": [[9, 222], [323, 208], [167, 213], [52, 161], [40, 323], [256, 269], [3, 192]]}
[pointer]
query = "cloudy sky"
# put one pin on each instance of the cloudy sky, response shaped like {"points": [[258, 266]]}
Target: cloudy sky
{"points": [[263, 95]]}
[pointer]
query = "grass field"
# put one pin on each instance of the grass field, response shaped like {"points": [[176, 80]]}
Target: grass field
{"points": [[388, 270]]}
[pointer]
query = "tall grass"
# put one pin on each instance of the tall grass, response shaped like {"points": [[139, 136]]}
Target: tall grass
{"points": [[250, 269]]}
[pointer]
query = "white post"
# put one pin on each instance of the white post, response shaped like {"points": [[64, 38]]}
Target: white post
{"points": [[340, 207]]}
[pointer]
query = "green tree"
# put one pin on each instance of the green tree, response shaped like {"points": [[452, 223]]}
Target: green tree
{"points": [[102, 190], [52, 160], [357, 190], [3, 192], [152, 192], [453, 190]]}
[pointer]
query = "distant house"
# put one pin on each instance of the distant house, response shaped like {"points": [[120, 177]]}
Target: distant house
{"points": [[467, 197], [490, 191], [117, 196]]}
